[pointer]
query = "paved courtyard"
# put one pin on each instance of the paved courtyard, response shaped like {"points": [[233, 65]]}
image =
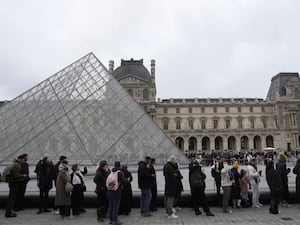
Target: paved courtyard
{"points": [[290, 216]]}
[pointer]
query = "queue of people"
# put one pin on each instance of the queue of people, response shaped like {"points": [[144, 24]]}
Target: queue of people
{"points": [[114, 191]]}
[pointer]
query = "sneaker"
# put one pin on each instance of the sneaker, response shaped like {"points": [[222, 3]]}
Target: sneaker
{"points": [[209, 214], [227, 211], [55, 212], [172, 216], [255, 206], [177, 208], [259, 204], [173, 210], [147, 215], [12, 214]]}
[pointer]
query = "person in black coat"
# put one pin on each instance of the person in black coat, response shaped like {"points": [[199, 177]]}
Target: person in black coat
{"points": [[145, 179], [275, 184], [236, 188], [296, 170], [45, 176], [22, 184], [198, 188], [101, 191], [216, 174], [177, 199], [153, 206], [283, 172], [126, 199], [171, 185]]}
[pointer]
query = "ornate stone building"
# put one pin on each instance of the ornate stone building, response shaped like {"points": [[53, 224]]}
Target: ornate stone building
{"points": [[205, 124]]}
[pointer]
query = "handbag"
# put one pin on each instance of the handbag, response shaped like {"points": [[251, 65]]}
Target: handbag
{"points": [[68, 187]]}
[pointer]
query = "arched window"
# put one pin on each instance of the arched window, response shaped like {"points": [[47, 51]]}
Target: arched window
{"points": [[165, 124], [244, 143], [219, 143], [205, 143], [231, 143], [178, 124], [145, 95], [269, 141], [192, 144], [179, 143], [130, 92], [257, 142]]}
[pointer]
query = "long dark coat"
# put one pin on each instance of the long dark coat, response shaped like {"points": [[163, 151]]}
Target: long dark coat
{"points": [[170, 180], [296, 170]]}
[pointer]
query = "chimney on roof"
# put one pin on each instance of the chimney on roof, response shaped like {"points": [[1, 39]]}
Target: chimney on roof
{"points": [[153, 68], [111, 66]]}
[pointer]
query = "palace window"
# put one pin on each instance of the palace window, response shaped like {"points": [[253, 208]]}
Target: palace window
{"points": [[145, 95], [227, 124], [203, 124], [177, 110], [191, 124], [239, 109], [252, 122], [190, 110], [215, 109], [130, 92], [227, 109], [240, 124], [165, 109], [202, 109], [178, 124], [215, 124], [251, 109], [165, 124]]}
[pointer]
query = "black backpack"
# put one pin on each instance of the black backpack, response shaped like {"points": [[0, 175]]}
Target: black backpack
{"points": [[196, 179]]}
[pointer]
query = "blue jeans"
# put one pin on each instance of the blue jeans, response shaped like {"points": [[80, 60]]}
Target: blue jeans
{"points": [[114, 198], [146, 200]]}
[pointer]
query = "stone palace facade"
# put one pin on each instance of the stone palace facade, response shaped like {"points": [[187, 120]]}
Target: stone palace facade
{"points": [[205, 124]]}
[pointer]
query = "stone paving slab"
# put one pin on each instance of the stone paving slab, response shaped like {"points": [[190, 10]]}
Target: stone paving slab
{"points": [[251, 216]]}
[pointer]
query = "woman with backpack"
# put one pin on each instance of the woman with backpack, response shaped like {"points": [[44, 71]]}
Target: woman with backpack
{"points": [[197, 184], [114, 182]]}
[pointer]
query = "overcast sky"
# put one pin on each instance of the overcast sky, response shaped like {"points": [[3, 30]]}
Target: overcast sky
{"points": [[212, 48]]}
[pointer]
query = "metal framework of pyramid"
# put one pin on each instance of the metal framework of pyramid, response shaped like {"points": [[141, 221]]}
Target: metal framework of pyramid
{"points": [[84, 113]]}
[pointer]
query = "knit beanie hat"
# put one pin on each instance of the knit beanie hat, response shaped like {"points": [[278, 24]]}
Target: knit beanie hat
{"points": [[235, 165]]}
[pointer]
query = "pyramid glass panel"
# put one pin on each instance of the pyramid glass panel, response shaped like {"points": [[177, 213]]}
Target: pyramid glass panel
{"points": [[84, 113]]}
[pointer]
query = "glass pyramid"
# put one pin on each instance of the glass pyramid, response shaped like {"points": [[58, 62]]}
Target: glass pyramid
{"points": [[84, 113]]}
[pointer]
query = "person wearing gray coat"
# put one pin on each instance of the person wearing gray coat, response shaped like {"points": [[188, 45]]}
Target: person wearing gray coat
{"points": [[63, 198]]}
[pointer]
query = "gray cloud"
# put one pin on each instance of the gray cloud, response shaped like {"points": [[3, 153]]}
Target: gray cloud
{"points": [[202, 48]]}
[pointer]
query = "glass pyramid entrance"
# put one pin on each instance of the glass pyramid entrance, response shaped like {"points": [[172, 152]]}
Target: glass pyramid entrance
{"points": [[84, 113]]}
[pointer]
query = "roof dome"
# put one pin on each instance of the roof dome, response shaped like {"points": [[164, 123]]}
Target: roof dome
{"points": [[132, 67]]}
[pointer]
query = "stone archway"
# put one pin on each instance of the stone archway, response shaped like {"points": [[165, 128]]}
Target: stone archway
{"points": [[192, 144], [257, 142], [219, 143], [205, 143], [231, 143], [179, 142], [244, 143], [270, 141]]}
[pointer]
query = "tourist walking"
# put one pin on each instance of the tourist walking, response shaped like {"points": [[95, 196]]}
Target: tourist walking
{"points": [[114, 183], [275, 184], [197, 185], [45, 175], [171, 185], [145, 179], [101, 191]]}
